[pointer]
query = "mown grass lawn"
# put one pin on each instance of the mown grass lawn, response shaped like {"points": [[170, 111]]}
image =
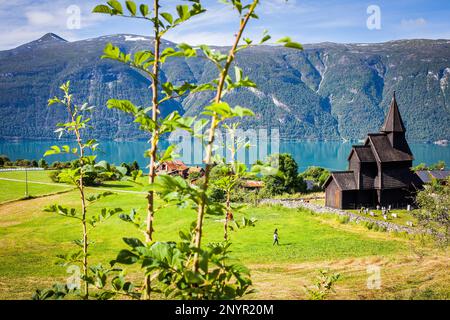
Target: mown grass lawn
{"points": [[14, 190], [30, 238]]}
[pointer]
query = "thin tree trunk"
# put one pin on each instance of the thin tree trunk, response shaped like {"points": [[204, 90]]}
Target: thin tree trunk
{"points": [[227, 216], [214, 123], [154, 141], [83, 204]]}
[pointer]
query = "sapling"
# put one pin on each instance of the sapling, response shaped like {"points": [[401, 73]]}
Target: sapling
{"points": [[76, 175], [219, 111], [149, 62]]}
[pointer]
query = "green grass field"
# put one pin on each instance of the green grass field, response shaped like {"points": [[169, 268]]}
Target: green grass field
{"points": [[30, 239], [14, 190]]}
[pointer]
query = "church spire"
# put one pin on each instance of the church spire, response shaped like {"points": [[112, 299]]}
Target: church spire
{"points": [[393, 121]]}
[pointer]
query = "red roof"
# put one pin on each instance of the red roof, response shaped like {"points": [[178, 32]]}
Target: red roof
{"points": [[174, 165]]}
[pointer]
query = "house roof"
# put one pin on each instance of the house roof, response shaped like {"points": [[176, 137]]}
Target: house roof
{"points": [[252, 184], [383, 149], [196, 169], [344, 179], [364, 153], [426, 175], [175, 165], [393, 121]]}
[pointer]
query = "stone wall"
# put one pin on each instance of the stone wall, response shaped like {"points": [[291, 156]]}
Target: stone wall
{"points": [[389, 226]]}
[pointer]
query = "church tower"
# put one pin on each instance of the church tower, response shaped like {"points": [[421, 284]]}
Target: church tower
{"points": [[394, 128]]}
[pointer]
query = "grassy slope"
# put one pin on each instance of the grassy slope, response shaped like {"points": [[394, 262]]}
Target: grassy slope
{"points": [[30, 238], [13, 190]]}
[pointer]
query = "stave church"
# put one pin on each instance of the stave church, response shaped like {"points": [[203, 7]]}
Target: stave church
{"points": [[379, 171]]}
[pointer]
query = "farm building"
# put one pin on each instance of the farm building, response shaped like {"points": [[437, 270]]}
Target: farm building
{"points": [[174, 167], [379, 171]]}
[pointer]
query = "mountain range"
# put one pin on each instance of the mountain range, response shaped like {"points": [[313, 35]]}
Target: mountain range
{"points": [[328, 91]]}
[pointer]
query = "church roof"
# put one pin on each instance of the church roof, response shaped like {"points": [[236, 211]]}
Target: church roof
{"points": [[393, 121], [364, 153], [344, 179], [383, 149]]}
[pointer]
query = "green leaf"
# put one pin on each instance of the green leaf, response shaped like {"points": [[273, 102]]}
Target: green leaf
{"points": [[265, 38], [133, 242], [131, 6], [101, 8], [293, 45], [123, 105], [142, 57], [167, 16], [221, 108], [117, 7], [238, 73], [143, 8], [288, 43], [53, 150], [126, 257], [183, 12], [284, 40], [146, 122], [188, 51]]}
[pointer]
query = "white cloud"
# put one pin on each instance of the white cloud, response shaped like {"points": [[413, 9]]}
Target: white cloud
{"points": [[411, 23], [25, 20], [40, 18]]}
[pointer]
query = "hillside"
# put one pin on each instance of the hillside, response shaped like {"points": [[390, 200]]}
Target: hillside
{"points": [[329, 91]]}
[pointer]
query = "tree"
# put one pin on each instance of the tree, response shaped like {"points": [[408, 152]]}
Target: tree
{"points": [[440, 165], [434, 206], [149, 63], [134, 166], [76, 176], [284, 177], [43, 164], [318, 174], [183, 269]]}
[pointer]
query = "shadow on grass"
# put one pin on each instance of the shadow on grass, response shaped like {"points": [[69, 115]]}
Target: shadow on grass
{"points": [[283, 244]]}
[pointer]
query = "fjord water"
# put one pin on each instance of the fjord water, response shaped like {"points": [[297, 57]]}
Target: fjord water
{"points": [[329, 154]]}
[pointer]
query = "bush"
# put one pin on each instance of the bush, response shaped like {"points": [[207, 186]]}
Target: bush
{"points": [[134, 166], [54, 175], [22, 163], [318, 174], [368, 225], [217, 194], [43, 164], [344, 219], [60, 165]]}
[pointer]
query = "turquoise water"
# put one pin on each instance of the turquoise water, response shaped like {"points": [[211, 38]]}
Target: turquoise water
{"points": [[328, 154]]}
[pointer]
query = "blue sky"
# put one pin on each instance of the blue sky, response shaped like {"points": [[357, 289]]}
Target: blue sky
{"points": [[306, 21]]}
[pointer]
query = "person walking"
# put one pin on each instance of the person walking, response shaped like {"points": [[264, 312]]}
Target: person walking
{"points": [[275, 237]]}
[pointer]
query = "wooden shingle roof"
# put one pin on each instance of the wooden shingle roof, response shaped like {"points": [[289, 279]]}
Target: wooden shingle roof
{"points": [[344, 179], [383, 149], [393, 121], [364, 153]]}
